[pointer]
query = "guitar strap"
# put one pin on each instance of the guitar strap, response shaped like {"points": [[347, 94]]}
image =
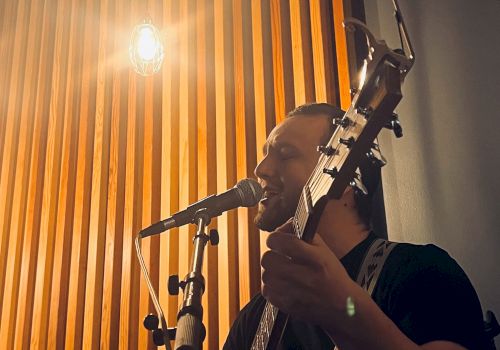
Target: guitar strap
{"points": [[373, 263]]}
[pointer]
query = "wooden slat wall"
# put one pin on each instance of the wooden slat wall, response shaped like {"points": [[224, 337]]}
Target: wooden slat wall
{"points": [[91, 152]]}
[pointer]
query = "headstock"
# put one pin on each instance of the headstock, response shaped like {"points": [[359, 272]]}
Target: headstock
{"points": [[372, 109]]}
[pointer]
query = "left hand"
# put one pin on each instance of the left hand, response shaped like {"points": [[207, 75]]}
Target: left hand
{"points": [[304, 279]]}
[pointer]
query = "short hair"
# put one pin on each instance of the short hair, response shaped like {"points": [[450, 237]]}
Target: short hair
{"points": [[316, 108], [370, 173]]}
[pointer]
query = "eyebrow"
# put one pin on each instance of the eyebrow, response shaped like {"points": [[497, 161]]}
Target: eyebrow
{"points": [[278, 145]]}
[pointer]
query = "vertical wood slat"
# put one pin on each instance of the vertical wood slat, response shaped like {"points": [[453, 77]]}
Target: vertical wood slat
{"points": [[282, 57], [207, 172], [128, 234], [187, 130], [344, 83], [23, 325], [116, 187], [44, 99], [117, 151], [11, 132], [8, 20], [248, 240], [61, 105], [74, 320], [225, 134], [169, 260], [144, 341], [149, 246], [97, 220], [127, 311], [301, 52], [317, 47], [20, 191], [241, 142]]}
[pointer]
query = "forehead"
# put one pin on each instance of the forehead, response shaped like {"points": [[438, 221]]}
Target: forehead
{"points": [[300, 130]]}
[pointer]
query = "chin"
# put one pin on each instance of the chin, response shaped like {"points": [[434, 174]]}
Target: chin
{"points": [[265, 221]]}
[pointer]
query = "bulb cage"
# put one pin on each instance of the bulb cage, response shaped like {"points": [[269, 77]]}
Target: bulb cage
{"points": [[141, 65]]}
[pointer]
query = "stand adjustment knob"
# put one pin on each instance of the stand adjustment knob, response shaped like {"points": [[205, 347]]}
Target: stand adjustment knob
{"points": [[174, 285], [214, 237], [158, 337], [150, 322]]}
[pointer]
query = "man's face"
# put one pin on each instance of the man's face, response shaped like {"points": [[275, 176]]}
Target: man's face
{"points": [[289, 158]]}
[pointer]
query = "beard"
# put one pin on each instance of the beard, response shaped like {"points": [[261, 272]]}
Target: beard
{"points": [[276, 211]]}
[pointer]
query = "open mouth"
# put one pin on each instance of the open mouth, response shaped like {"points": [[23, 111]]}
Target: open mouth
{"points": [[268, 195]]}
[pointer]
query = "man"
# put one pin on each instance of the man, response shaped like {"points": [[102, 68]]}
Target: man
{"points": [[423, 299]]}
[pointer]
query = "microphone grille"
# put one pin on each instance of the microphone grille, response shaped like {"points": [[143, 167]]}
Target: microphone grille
{"points": [[250, 192]]}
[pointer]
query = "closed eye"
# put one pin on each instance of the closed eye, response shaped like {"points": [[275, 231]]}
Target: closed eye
{"points": [[287, 153]]}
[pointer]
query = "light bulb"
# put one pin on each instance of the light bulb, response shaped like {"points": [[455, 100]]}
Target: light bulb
{"points": [[146, 49]]}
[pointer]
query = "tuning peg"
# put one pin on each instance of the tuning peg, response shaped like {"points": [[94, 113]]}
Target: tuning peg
{"points": [[327, 150], [343, 122], [332, 172], [364, 111], [214, 237], [348, 142], [358, 184], [376, 159], [174, 284], [375, 156], [395, 126]]}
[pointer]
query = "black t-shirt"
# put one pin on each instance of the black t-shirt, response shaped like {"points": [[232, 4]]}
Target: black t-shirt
{"points": [[421, 289]]}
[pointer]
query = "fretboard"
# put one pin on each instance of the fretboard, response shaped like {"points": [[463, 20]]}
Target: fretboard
{"points": [[265, 328], [270, 313]]}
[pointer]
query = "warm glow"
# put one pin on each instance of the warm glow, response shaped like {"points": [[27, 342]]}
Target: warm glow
{"points": [[146, 49]]}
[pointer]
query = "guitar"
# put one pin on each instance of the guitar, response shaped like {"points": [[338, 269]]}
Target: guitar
{"points": [[371, 110]]}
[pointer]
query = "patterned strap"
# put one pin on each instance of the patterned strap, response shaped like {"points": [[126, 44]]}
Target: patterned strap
{"points": [[373, 263]]}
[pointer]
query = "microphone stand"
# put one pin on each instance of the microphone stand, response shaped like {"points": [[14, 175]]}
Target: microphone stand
{"points": [[190, 329]]}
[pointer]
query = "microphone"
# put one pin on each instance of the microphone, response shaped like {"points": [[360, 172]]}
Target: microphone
{"points": [[246, 193]]}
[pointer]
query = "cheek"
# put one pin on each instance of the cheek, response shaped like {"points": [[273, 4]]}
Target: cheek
{"points": [[294, 176]]}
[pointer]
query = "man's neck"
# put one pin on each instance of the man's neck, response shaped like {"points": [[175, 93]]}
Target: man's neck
{"points": [[341, 228]]}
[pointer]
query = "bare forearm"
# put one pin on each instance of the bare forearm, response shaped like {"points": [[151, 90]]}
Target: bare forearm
{"points": [[367, 328]]}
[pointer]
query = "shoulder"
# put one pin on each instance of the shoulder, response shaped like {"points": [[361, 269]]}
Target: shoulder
{"points": [[424, 272], [429, 293], [412, 262], [422, 256]]}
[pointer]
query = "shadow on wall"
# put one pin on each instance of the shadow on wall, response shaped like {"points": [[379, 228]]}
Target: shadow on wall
{"points": [[442, 179]]}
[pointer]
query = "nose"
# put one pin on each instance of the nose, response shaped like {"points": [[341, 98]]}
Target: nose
{"points": [[264, 169]]}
